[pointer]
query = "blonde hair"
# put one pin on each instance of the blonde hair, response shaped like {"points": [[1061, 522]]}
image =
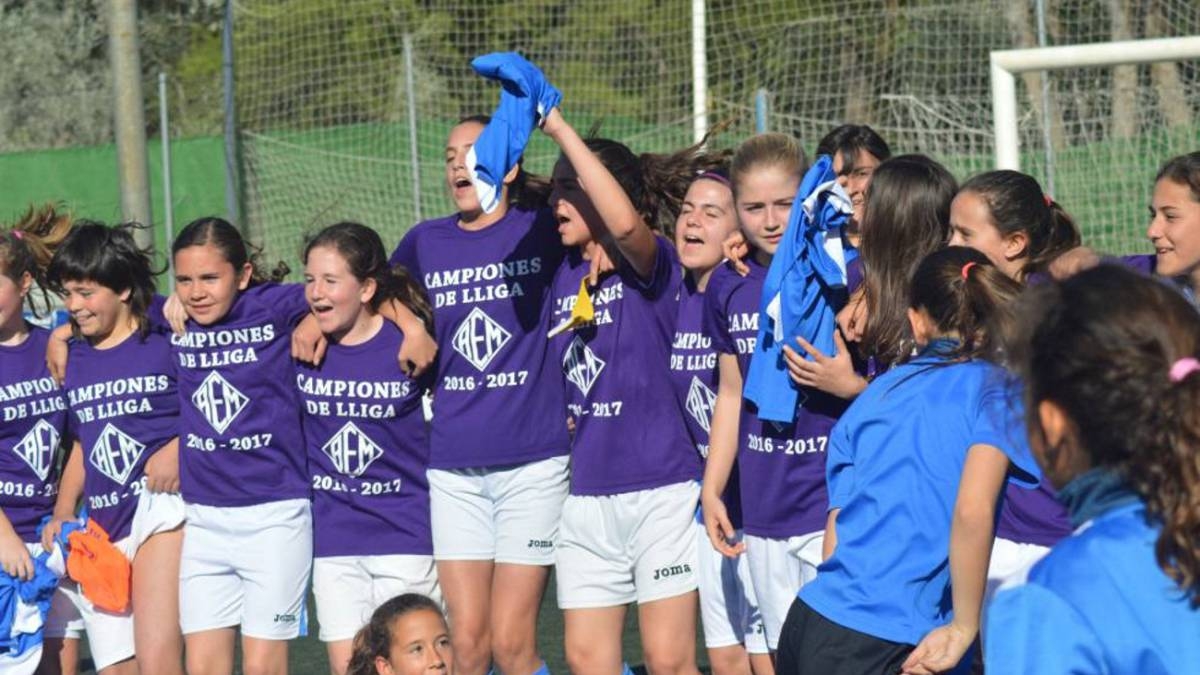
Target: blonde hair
{"points": [[770, 149]]}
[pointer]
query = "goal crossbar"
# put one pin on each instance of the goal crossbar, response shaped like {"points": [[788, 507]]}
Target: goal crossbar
{"points": [[1005, 64]]}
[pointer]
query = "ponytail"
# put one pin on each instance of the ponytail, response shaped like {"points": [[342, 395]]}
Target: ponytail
{"points": [[965, 294], [29, 245], [1102, 345], [375, 639]]}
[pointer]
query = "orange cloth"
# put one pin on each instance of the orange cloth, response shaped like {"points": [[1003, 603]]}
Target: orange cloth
{"points": [[101, 569]]}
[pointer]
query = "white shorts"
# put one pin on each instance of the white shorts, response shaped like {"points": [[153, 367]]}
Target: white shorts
{"points": [[778, 569], [632, 546], [507, 514], [110, 635], [247, 566], [1009, 564], [728, 608], [349, 588]]}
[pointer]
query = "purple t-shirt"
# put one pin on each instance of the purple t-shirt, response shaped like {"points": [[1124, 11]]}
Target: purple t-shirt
{"points": [[782, 466], [498, 393], [124, 407], [368, 446], [240, 438], [33, 413], [695, 375], [630, 432]]}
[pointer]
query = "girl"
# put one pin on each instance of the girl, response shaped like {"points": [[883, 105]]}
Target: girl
{"points": [[906, 218], [124, 464], [407, 635], [32, 408], [922, 433], [627, 531], [857, 151], [781, 466], [733, 629], [1005, 216], [367, 440], [498, 445], [1113, 388]]}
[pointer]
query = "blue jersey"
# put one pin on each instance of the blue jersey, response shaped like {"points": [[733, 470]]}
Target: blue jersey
{"points": [[1097, 603], [895, 462]]}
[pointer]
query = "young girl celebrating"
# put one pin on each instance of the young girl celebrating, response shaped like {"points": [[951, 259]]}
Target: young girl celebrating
{"points": [[32, 407], [1005, 216], [498, 445], [627, 532], [1112, 386], [367, 440], [917, 451], [124, 417], [407, 635], [781, 465], [733, 629]]}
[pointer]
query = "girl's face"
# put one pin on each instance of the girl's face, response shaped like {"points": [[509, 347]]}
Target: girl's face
{"points": [[12, 298], [764, 202], [337, 298], [971, 225], [574, 210], [96, 309], [856, 180], [462, 137], [207, 283], [420, 644], [1175, 229], [705, 220]]}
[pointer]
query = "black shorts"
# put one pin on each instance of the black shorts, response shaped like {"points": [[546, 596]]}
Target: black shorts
{"points": [[810, 644]]}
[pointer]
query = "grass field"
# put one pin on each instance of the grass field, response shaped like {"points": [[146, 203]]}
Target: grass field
{"points": [[307, 655]]}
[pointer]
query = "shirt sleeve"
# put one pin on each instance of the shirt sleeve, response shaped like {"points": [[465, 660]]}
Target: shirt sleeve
{"points": [[155, 316], [287, 301], [666, 269], [406, 254], [1031, 630], [839, 465], [714, 319], [1000, 422]]}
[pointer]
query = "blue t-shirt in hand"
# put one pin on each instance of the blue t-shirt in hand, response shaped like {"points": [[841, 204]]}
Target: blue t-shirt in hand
{"points": [[895, 463], [368, 447], [498, 390], [1097, 603], [630, 432]]}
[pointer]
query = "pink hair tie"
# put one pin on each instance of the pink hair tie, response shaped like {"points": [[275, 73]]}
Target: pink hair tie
{"points": [[1049, 200], [1184, 367], [967, 268], [18, 234]]}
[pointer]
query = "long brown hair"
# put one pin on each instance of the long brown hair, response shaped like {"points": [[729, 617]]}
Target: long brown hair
{"points": [[29, 244], [965, 294], [1101, 345]]}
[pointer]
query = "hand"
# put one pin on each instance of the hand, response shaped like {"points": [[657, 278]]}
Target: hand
{"points": [[56, 352], [162, 469], [852, 320], [570, 424], [720, 530], [553, 123], [736, 249], [600, 263], [418, 349], [175, 314], [52, 529], [1073, 262], [14, 556], [940, 650], [831, 374], [308, 342]]}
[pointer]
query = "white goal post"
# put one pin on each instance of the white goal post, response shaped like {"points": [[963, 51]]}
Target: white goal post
{"points": [[1006, 63]]}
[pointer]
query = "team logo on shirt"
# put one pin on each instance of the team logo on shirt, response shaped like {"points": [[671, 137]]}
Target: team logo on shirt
{"points": [[581, 365], [37, 448], [479, 338], [116, 453], [351, 450], [700, 402], [219, 401]]}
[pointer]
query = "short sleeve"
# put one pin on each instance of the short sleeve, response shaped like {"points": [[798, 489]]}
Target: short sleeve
{"points": [[286, 301], [1031, 630], [839, 466], [406, 254], [715, 318], [155, 314], [666, 269], [1000, 422]]}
